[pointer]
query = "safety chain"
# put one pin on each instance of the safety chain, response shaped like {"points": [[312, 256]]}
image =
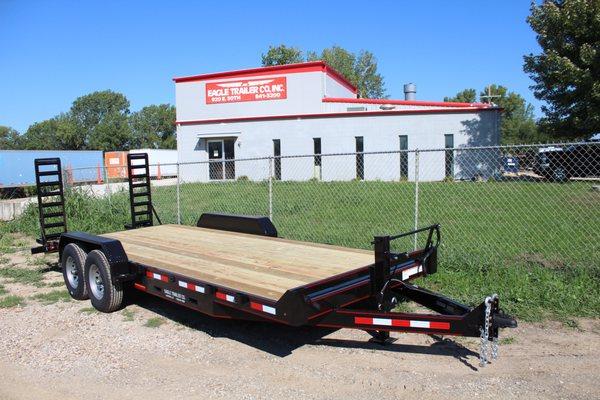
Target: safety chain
{"points": [[485, 333]]}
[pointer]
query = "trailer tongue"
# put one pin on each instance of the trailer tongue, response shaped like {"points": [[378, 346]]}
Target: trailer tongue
{"points": [[236, 267]]}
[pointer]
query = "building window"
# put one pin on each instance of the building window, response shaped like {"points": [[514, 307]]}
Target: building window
{"points": [[229, 145], [317, 153], [277, 159], [403, 157], [360, 158], [449, 157]]}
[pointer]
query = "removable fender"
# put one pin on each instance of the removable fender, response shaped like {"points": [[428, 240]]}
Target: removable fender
{"points": [[255, 225], [112, 249]]}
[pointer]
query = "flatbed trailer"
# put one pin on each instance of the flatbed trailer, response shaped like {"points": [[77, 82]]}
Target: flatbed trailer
{"points": [[236, 267]]}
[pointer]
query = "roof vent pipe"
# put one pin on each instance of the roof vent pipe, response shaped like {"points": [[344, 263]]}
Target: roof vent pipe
{"points": [[410, 90]]}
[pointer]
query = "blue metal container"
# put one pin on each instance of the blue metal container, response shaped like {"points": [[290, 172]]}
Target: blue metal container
{"points": [[16, 166]]}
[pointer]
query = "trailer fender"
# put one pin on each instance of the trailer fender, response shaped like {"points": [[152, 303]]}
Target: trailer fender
{"points": [[121, 269]]}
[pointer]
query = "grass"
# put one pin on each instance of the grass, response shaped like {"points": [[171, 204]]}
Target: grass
{"points": [[25, 276], [3, 290], [52, 297], [11, 301], [506, 340], [128, 315], [88, 310], [154, 322], [535, 244]]}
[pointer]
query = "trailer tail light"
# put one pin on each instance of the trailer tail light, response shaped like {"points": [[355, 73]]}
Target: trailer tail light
{"points": [[226, 297], [405, 323], [156, 276], [263, 308], [192, 287]]}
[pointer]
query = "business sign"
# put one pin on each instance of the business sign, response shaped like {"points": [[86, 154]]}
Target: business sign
{"points": [[246, 90]]}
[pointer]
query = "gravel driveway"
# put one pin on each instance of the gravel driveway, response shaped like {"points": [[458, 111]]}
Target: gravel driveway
{"points": [[59, 349]]}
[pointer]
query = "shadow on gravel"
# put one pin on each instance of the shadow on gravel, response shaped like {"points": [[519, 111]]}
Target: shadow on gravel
{"points": [[281, 340], [441, 347]]}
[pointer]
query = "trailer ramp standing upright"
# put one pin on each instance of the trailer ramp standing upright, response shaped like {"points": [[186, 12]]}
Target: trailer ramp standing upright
{"points": [[235, 267], [51, 204]]}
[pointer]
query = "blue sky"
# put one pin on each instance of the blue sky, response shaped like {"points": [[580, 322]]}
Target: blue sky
{"points": [[54, 51]]}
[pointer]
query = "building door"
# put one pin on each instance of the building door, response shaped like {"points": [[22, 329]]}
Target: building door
{"points": [[215, 158], [221, 155]]}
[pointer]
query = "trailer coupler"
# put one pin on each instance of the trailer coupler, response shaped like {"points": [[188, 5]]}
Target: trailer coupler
{"points": [[453, 318]]}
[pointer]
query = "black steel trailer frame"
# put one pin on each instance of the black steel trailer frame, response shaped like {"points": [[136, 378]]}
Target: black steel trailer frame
{"points": [[363, 298]]}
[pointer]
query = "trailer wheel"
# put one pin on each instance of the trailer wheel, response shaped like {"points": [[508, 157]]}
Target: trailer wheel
{"points": [[105, 295], [72, 263]]}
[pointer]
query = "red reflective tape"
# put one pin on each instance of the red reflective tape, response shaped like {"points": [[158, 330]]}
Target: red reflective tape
{"points": [[139, 286], [439, 325], [256, 306], [221, 296], [149, 274], [164, 278], [363, 321], [401, 322], [191, 286]]}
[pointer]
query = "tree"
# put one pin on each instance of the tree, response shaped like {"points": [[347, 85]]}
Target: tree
{"points": [[360, 70], [567, 72], [154, 127], [41, 136], [9, 138], [518, 123], [281, 55], [466, 96], [101, 121]]}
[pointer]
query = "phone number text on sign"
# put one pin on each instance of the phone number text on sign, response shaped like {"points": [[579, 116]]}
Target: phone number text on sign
{"points": [[246, 90]]}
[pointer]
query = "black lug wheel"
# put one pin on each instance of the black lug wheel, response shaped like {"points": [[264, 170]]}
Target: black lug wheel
{"points": [[72, 262], [105, 295]]}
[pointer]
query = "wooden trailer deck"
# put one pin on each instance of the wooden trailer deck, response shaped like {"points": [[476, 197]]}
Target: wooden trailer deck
{"points": [[258, 265]]}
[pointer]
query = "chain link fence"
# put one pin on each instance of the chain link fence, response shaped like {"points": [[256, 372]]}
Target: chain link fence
{"points": [[505, 204]]}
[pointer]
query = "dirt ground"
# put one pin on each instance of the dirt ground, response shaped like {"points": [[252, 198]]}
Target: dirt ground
{"points": [[155, 350]]}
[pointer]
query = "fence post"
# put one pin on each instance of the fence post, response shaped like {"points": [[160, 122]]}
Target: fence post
{"points": [[107, 183], [271, 188], [178, 198], [416, 195]]}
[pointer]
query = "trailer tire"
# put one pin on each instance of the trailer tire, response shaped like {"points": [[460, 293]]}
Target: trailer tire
{"points": [[105, 295], [72, 263]]}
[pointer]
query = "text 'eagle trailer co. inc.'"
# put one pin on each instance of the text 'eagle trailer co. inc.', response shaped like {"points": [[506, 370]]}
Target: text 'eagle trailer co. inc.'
{"points": [[236, 267]]}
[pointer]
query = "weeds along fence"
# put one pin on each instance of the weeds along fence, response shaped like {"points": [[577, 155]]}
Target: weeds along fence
{"points": [[506, 204]]}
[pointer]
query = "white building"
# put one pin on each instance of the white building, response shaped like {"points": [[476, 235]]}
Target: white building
{"points": [[307, 109]]}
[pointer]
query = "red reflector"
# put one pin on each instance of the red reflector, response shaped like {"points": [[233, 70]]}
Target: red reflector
{"points": [[164, 278], [139, 286], [256, 306], [149, 274], [439, 325], [363, 321], [401, 322], [221, 296]]}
